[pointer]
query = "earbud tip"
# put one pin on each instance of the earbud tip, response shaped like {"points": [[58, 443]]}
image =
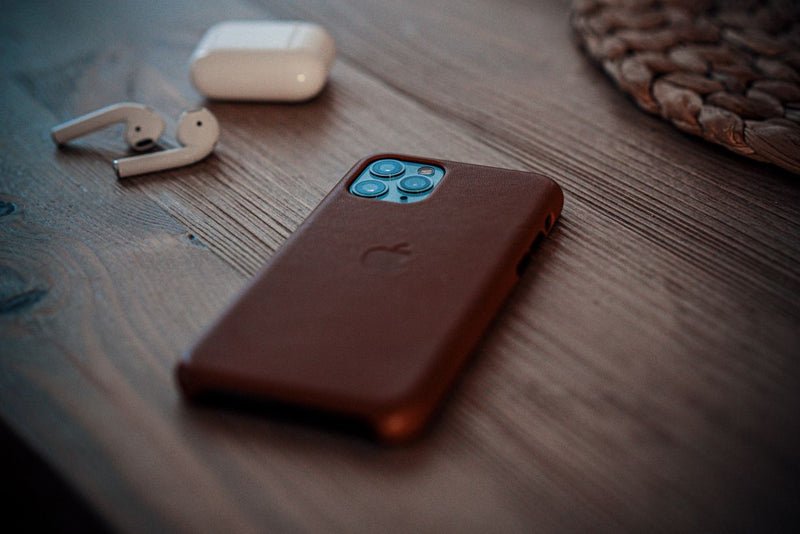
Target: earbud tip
{"points": [[54, 136]]}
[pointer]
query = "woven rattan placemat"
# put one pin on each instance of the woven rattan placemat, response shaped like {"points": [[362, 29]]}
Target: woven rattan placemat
{"points": [[727, 71]]}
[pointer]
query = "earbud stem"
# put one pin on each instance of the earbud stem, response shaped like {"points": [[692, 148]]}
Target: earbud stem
{"points": [[93, 121], [160, 161]]}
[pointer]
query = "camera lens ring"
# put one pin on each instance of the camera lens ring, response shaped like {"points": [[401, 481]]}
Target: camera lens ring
{"points": [[387, 168], [415, 184], [370, 188]]}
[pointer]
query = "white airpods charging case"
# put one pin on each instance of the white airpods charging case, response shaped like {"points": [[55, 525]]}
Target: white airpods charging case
{"points": [[278, 61]]}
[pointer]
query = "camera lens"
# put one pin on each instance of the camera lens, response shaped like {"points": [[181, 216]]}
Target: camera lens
{"points": [[370, 188], [415, 184], [387, 168]]}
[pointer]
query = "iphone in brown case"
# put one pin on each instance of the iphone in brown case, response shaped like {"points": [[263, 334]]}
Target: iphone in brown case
{"points": [[374, 303]]}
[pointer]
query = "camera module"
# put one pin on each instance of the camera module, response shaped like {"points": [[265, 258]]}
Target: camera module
{"points": [[387, 168], [398, 181]]}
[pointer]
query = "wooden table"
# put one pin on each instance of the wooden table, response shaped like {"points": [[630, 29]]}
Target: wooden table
{"points": [[643, 377]]}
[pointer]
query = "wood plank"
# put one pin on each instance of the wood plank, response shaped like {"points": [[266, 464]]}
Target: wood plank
{"points": [[642, 377]]}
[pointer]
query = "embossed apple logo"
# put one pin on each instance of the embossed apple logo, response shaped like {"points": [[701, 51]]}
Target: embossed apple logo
{"points": [[386, 258]]}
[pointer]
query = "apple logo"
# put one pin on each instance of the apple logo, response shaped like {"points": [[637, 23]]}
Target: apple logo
{"points": [[386, 258]]}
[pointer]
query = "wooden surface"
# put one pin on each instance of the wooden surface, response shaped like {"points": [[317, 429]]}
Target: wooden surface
{"points": [[643, 377]]}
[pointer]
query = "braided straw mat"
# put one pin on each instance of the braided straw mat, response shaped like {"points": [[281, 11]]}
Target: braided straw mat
{"points": [[728, 72]]}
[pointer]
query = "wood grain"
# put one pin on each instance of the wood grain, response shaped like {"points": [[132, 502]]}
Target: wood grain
{"points": [[643, 376]]}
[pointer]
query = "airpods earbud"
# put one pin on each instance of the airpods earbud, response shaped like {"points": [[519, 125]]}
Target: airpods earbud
{"points": [[198, 131], [143, 126]]}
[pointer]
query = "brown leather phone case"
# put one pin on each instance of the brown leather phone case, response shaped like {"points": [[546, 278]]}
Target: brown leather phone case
{"points": [[370, 308]]}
